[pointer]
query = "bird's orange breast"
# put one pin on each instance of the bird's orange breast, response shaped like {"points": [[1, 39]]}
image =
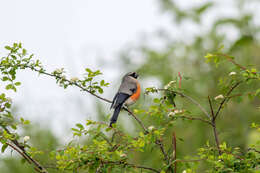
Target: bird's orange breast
{"points": [[136, 95]]}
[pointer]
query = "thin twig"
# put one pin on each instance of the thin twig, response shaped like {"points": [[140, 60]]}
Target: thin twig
{"points": [[174, 150], [216, 135], [139, 121], [179, 74], [28, 158], [226, 98], [213, 123], [191, 99], [194, 118], [131, 165], [211, 108], [195, 160], [231, 60], [253, 149], [159, 143]]}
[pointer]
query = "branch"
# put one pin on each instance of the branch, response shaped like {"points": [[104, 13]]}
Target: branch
{"points": [[174, 146], [20, 149], [229, 58], [213, 123], [131, 165], [84, 89], [189, 98], [139, 121], [195, 102], [73, 83], [253, 149], [194, 118], [159, 143], [195, 160], [179, 74], [226, 98], [211, 108], [30, 160], [216, 136]]}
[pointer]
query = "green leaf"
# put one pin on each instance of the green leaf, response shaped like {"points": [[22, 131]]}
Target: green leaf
{"points": [[4, 148], [156, 100], [88, 70], [24, 52], [100, 90], [5, 78], [8, 48], [13, 127], [102, 83], [9, 86], [17, 83], [73, 129], [80, 126]]}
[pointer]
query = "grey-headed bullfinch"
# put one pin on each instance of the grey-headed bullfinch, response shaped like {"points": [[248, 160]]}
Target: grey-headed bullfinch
{"points": [[128, 93]]}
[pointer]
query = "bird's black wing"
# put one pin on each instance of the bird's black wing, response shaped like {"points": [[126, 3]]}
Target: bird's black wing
{"points": [[117, 103]]}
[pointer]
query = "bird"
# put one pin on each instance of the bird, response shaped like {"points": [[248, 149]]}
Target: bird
{"points": [[128, 93]]}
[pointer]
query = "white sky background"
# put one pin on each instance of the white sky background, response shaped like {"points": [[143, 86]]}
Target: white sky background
{"points": [[73, 35]]}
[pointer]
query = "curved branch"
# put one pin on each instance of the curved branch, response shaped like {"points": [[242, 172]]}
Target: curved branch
{"points": [[226, 98], [194, 118], [20, 149], [191, 99], [139, 121]]}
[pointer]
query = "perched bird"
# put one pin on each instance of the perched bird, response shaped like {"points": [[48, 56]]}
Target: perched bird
{"points": [[128, 93]]}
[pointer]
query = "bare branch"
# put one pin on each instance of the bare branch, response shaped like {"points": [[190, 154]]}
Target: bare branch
{"points": [[159, 143], [131, 165], [211, 108], [179, 74], [216, 135], [174, 146], [226, 98], [191, 99], [37, 167], [230, 59], [194, 118], [139, 121]]}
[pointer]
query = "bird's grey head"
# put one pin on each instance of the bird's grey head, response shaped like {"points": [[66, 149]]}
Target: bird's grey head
{"points": [[132, 74]]}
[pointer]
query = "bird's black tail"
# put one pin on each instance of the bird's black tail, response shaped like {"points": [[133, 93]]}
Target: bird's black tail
{"points": [[115, 115]]}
